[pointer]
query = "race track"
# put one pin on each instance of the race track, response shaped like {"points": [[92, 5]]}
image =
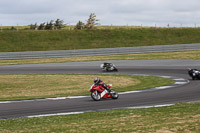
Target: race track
{"points": [[173, 68]]}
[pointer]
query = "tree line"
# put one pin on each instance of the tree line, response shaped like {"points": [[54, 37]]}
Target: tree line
{"points": [[59, 24]]}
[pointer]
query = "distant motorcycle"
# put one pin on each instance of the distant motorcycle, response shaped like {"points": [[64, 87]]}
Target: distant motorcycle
{"points": [[194, 73], [99, 92], [108, 67]]}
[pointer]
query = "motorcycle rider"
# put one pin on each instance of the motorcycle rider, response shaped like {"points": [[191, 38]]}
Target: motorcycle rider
{"points": [[107, 65], [99, 82]]}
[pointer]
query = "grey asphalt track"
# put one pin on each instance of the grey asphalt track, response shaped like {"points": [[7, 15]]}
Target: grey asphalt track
{"points": [[176, 68], [99, 51]]}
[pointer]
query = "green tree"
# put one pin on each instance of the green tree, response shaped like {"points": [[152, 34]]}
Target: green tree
{"points": [[51, 25], [80, 25], [59, 24], [47, 26], [91, 22], [33, 26], [41, 26], [13, 28]]}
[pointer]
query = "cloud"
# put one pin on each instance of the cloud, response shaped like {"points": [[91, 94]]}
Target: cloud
{"points": [[115, 12], [26, 7]]}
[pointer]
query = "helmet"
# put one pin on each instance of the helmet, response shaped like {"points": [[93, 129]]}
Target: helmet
{"points": [[96, 80]]}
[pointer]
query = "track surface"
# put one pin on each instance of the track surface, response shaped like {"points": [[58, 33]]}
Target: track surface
{"points": [[176, 68]]}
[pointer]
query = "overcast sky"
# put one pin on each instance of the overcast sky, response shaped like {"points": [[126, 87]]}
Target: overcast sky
{"points": [[110, 12]]}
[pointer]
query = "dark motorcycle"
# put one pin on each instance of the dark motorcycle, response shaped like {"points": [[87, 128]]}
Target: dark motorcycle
{"points": [[108, 67], [194, 73]]}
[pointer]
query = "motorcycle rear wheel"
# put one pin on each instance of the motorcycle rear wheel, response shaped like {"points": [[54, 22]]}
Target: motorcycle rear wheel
{"points": [[96, 96]]}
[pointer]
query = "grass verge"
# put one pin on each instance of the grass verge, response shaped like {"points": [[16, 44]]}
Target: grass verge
{"points": [[150, 56], [31, 86], [26, 40], [181, 117]]}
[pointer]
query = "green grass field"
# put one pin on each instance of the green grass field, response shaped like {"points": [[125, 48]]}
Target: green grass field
{"points": [[179, 118], [27, 40], [32, 86]]}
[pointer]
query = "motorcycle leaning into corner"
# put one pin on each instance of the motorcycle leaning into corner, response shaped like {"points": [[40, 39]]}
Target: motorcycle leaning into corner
{"points": [[194, 73], [99, 92], [108, 67]]}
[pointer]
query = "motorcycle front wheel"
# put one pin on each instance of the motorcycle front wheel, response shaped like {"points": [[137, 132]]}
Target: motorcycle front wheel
{"points": [[114, 94], [116, 69], [96, 96]]}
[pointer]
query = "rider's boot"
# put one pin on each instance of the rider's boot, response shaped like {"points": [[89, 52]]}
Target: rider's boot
{"points": [[108, 89]]}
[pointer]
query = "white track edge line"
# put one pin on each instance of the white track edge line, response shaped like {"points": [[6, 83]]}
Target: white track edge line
{"points": [[56, 114], [71, 113]]}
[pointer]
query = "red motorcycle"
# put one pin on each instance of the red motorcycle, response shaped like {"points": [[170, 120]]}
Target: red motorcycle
{"points": [[99, 92]]}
